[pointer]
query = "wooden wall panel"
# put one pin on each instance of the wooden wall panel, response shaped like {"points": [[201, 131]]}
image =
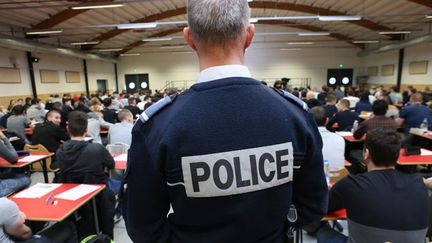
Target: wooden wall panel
{"points": [[49, 76], [73, 77], [420, 67], [10, 75]]}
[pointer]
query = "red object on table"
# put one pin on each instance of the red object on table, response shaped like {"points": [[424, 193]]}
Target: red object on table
{"points": [[103, 130], [36, 209], [5, 164], [119, 164], [414, 159], [338, 214]]}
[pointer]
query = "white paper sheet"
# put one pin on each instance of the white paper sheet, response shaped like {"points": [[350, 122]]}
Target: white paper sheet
{"points": [[88, 139], [344, 134], [37, 191], [425, 152], [11, 139], [32, 158], [122, 157], [77, 192]]}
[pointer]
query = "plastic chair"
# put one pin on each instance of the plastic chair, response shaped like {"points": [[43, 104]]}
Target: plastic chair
{"points": [[38, 166], [118, 148]]}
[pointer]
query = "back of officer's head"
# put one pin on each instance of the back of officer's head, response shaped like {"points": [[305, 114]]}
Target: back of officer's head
{"points": [[379, 107], [217, 21], [384, 146], [320, 116], [77, 123]]}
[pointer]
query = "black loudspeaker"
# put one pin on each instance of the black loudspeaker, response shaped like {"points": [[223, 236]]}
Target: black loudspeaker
{"points": [[137, 82], [340, 77]]}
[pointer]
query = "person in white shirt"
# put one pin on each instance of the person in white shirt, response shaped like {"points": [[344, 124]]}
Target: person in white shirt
{"points": [[122, 132], [333, 145], [352, 99]]}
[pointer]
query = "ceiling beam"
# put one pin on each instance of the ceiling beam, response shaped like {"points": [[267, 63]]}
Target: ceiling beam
{"points": [[255, 5], [426, 3], [62, 16], [274, 22]]}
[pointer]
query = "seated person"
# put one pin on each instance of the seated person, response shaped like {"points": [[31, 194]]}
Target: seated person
{"points": [[344, 117], [10, 182], [95, 122], [414, 114], [379, 120], [109, 113], [122, 132], [18, 122], [132, 107], [36, 111], [379, 203], [50, 134], [13, 228], [330, 106], [363, 105], [333, 145], [311, 101], [84, 162]]}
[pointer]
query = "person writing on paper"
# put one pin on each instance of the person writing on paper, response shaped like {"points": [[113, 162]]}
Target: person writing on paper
{"points": [[13, 228], [10, 182]]}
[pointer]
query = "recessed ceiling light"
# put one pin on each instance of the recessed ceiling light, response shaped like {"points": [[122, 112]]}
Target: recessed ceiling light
{"points": [[84, 43], [300, 43], [137, 26], [97, 5], [44, 32], [313, 34], [394, 32], [130, 54], [340, 18], [290, 49], [158, 39]]}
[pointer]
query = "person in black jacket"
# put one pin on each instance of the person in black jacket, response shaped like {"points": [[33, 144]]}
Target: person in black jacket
{"points": [[84, 162], [109, 113], [344, 118], [50, 134]]}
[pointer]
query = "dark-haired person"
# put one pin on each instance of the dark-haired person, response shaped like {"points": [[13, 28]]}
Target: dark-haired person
{"points": [[84, 162], [50, 134], [18, 122], [330, 106], [10, 182], [414, 114], [323, 94], [36, 111], [363, 104], [132, 107], [383, 205], [344, 117], [379, 120], [333, 145], [147, 99], [109, 113]]}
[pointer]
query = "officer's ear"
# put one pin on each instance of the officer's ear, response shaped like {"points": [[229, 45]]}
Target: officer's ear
{"points": [[188, 37], [250, 33]]}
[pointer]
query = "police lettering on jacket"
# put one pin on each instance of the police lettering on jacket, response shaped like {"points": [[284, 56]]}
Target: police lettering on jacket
{"points": [[237, 172]]}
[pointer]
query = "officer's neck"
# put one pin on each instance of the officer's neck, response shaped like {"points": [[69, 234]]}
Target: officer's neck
{"points": [[220, 57]]}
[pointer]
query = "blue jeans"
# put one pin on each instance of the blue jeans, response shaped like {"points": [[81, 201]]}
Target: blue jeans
{"points": [[329, 235], [8, 186]]}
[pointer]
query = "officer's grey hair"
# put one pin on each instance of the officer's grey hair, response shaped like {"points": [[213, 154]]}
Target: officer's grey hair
{"points": [[217, 21]]}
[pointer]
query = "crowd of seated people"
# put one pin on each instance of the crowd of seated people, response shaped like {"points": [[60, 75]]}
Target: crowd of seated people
{"points": [[62, 124]]}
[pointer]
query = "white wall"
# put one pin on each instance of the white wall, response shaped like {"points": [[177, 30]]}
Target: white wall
{"points": [[101, 70], [7, 57], [263, 63], [96, 70], [61, 64], [419, 53]]}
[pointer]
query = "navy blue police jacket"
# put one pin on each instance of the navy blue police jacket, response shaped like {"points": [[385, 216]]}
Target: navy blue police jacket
{"points": [[230, 156]]}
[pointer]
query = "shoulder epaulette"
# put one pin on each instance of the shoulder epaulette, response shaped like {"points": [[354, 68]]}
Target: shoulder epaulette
{"points": [[292, 98], [156, 107]]}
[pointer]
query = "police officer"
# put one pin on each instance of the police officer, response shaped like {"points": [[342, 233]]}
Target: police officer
{"points": [[229, 155]]}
